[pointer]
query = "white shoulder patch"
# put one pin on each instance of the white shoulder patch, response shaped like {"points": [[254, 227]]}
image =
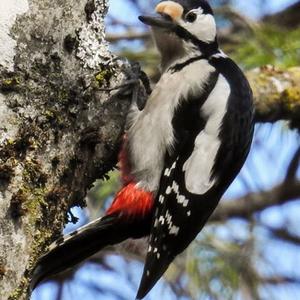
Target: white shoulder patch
{"points": [[199, 165]]}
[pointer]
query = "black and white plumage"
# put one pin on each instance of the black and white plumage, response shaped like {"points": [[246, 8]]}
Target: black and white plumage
{"points": [[181, 151], [212, 128]]}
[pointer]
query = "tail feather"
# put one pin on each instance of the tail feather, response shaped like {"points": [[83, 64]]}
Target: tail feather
{"points": [[153, 271], [71, 249], [129, 216]]}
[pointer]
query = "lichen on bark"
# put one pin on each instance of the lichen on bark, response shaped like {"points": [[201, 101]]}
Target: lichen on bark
{"points": [[277, 94]]}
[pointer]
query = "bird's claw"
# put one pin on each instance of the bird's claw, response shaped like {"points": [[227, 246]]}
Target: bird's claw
{"points": [[133, 85]]}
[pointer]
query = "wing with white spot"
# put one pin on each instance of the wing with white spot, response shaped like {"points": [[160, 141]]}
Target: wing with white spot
{"points": [[211, 148], [177, 212]]}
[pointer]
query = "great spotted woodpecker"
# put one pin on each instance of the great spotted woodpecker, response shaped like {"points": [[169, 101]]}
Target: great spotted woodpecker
{"points": [[180, 152]]}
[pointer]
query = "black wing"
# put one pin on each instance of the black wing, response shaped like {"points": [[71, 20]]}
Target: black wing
{"points": [[180, 215], [172, 207], [178, 218]]}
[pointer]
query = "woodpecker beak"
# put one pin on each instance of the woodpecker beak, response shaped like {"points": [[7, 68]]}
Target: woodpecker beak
{"points": [[170, 12]]}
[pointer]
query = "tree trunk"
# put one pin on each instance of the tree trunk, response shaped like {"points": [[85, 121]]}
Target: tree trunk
{"points": [[58, 131]]}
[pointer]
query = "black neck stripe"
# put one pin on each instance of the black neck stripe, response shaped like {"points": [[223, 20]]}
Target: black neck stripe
{"points": [[180, 66], [207, 49]]}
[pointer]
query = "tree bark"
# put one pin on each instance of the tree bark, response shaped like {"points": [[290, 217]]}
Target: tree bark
{"points": [[252, 203], [58, 131], [276, 94]]}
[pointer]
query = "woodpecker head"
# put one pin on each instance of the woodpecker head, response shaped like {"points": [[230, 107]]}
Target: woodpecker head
{"points": [[182, 27]]}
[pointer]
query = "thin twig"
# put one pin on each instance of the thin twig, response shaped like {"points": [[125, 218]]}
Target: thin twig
{"points": [[293, 166], [252, 203]]}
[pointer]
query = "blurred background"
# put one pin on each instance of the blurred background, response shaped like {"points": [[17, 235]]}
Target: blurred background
{"points": [[253, 253]]}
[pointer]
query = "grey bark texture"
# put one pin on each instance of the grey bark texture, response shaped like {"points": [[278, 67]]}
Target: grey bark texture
{"points": [[58, 131]]}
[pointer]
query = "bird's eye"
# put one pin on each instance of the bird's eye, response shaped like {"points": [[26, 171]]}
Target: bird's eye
{"points": [[191, 17]]}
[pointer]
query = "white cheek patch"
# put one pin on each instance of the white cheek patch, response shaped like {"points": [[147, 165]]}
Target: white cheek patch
{"points": [[204, 28]]}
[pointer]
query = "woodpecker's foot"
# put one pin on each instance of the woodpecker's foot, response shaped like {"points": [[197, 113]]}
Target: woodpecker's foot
{"points": [[139, 96], [132, 86], [146, 82]]}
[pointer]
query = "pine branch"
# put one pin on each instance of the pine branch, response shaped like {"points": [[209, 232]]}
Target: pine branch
{"points": [[289, 17], [277, 94], [252, 203]]}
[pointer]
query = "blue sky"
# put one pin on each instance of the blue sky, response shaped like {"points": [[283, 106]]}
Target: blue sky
{"points": [[250, 8]]}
